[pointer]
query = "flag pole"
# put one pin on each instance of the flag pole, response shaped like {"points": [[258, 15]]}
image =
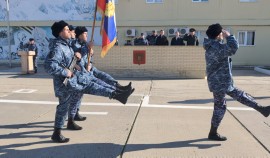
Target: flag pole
{"points": [[92, 36], [8, 33]]}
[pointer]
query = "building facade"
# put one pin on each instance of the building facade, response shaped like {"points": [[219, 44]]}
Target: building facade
{"points": [[248, 20]]}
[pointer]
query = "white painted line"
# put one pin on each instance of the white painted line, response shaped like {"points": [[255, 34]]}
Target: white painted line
{"points": [[109, 104], [144, 104], [194, 107], [28, 102], [25, 91], [93, 113], [137, 94], [56, 103], [145, 101], [177, 107], [240, 108], [10, 73]]}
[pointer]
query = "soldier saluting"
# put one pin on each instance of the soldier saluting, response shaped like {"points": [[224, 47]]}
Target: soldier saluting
{"points": [[219, 77]]}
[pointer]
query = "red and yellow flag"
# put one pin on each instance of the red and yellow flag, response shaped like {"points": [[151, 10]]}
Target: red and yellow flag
{"points": [[108, 25]]}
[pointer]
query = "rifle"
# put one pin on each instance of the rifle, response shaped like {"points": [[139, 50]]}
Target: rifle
{"points": [[70, 68]]}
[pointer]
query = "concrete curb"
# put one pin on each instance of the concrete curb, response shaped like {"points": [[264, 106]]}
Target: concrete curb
{"points": [[261, 70]]}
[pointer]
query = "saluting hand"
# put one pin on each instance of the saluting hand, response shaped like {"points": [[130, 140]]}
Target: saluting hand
{"points": [[226, 33]]}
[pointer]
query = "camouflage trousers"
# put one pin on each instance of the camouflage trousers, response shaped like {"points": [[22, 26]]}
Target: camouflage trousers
{"points": [[104, 76], [62, 109], [220, 103], [71, 101], [99, 78]]}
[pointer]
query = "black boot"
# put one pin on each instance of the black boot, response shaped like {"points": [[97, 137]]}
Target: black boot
{"points": [[264, 110], [58, 137], [72, 125], [122, 97], [123, 91], [213, 135], [127, 87], [79, 117]]}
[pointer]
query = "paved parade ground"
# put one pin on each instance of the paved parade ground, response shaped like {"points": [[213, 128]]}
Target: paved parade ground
{"points": [[162, 119]]}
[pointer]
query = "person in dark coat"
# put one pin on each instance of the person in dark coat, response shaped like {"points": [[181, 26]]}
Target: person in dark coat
{"points": [[191, 38], [31, 46], [141, 41], [162, 39], [177, 40], [152, 38]]}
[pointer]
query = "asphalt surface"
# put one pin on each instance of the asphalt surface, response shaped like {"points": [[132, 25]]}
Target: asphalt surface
{"points": [[162, 119]]}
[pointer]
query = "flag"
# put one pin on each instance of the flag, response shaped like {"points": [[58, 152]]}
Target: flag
{"points": [[108, 24]]}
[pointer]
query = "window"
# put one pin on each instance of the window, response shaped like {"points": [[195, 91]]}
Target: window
{"points": [[246, 38], [199, 0], [154, 1], [201, 35], [248, 0], [115, 1]]}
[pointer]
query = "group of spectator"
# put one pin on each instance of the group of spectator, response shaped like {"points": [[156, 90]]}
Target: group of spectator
{"points": [[161, 40]]}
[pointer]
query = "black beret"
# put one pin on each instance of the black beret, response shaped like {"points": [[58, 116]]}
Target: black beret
{"points": [[71, 28], [214, 30], [57, 27], [79, 30]]}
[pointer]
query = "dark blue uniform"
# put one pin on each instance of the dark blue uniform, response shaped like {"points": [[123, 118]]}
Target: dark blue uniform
{"points": [[219, 76], [60, 57], [96, 76]]}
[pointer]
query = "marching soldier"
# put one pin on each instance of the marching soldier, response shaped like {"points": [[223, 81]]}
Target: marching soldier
{"points": [[219, 77], [56, 64], [95, 75]]}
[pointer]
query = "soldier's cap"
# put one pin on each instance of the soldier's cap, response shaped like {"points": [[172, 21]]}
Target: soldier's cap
{"points": [[57, 27], [79, 30], [192, 30], [71, 28], [214, 30], [31, 39]]}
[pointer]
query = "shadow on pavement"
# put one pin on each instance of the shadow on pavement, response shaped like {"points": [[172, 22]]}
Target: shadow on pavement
{"points": [[27, 134], [28, 125], [206, 101], [90, 150]]}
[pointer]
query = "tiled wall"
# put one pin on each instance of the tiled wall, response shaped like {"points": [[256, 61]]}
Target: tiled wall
{"points": [[161, 62]]}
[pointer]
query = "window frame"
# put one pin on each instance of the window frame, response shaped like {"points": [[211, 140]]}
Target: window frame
{"points": [[201, 34], [246, 37], [200, 1], [248, 1], [154, 2]]}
